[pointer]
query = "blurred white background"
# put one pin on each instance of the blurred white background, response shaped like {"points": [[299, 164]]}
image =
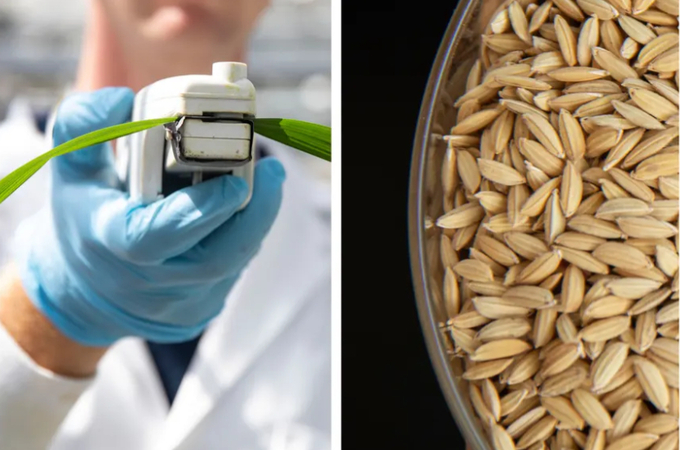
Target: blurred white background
{"points": [[289, 61]]}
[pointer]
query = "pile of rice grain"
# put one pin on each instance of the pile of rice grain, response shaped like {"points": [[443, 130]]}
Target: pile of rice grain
{"points": [[560, 233]]}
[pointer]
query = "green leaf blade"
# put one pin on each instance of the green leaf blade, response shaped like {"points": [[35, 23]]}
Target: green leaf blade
{"points": [[308, 137], [19, 176], [107, 134]]}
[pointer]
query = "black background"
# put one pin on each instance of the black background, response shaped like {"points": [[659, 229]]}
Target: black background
{"points": [[390, 397]]}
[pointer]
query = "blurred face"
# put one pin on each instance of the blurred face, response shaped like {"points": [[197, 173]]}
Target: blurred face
{"points": [[161, 38]]}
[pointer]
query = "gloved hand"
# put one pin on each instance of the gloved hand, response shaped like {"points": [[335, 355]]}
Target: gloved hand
{"points": [[102, 267]]}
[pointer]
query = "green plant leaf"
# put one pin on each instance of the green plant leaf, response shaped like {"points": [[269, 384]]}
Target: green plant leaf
{"points": [[308, 137], [15, 179]]}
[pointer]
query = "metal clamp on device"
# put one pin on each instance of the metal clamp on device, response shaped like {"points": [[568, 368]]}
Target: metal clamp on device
{"points": [[213, 136]]}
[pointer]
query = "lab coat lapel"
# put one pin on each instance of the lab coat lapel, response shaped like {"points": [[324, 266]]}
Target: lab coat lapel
{"points": [[267, 297]]}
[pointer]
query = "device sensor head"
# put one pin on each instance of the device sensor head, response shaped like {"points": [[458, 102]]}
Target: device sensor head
{"points": [[209, 141]]}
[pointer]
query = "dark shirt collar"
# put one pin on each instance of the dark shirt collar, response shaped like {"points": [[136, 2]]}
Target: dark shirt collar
{"points": [[41, 118]]}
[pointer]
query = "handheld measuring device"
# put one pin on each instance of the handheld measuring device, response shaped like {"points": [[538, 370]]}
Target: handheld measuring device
{"points": [[213, 136]]}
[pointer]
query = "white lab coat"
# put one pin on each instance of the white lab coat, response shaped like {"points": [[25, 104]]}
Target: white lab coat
{"points": [[260, 378]]}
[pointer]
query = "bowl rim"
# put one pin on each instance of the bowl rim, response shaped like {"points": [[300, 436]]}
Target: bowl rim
{"points": [[417, 239]]}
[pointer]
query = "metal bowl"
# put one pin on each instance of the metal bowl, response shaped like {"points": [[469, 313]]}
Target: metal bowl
{"points": [[458, 50]]}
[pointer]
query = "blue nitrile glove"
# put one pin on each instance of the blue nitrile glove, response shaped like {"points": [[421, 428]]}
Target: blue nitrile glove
{"points": [[101, 267]]}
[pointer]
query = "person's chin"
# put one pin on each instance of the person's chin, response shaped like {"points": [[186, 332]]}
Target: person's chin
{"points": [[175, 22]]}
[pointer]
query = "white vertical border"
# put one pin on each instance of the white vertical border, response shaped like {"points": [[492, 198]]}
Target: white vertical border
{"points": [[336, 310]]}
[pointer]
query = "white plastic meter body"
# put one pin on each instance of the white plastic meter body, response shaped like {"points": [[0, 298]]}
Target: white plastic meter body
{"points": [[213, 136]]}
